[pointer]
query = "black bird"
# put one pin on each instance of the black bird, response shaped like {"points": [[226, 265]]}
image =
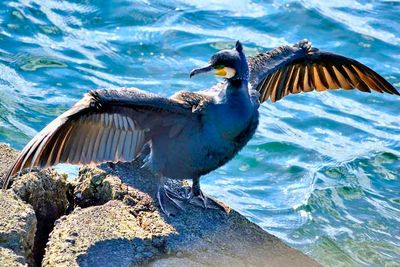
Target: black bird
{"points": [[191, 134]]}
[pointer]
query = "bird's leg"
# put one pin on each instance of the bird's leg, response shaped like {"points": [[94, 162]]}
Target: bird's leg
{"points": [[169, 201], [198, 198]]}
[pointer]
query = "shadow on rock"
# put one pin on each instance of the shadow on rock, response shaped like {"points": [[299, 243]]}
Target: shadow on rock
{"points": [[118, 252]]}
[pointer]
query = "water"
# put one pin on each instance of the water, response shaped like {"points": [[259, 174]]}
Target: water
{"points": [[322, 172]]}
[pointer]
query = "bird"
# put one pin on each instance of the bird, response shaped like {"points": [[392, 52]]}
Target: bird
{"points": [[190, 134]]}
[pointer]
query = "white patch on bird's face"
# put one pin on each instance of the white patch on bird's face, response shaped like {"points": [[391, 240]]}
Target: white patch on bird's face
{"points": [[225, 72], [230, 72]]}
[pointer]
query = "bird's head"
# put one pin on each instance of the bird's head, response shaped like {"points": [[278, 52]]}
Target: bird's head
{"points": [[230, 64]]}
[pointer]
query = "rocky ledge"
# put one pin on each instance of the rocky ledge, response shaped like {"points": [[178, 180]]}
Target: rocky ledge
{"points": [[107, 217]]}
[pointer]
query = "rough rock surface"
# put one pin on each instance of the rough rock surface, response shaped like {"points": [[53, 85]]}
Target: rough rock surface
{"points": [[7, 157], [130, 230], [47, 192], [9, 258], [116, 223], [17, 230]]}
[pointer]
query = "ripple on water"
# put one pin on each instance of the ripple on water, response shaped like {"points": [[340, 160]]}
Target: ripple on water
{"points": [[322, 171]]}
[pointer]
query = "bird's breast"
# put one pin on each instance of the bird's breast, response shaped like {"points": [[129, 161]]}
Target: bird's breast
{"points": [[230, 120]]}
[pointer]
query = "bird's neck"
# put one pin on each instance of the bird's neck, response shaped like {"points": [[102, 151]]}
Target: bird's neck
{"points": [[234, 109], [237, 88], [237, 83]]}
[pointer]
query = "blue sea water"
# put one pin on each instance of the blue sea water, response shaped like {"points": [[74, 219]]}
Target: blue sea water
{"points": [[322, 172]]}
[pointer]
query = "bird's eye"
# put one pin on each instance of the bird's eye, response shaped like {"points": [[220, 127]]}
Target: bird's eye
{"points": [[218, 67]]}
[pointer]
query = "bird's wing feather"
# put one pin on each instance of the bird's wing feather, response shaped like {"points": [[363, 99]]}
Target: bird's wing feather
{"points": [[106, 125], [302, 68]]}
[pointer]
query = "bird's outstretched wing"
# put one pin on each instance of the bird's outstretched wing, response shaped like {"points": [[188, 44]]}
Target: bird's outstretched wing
{"points": [[105, 125], [302, 68]]}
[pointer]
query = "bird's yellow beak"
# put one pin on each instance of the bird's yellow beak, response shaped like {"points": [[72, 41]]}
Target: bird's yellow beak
{"points": [[220, 72]]}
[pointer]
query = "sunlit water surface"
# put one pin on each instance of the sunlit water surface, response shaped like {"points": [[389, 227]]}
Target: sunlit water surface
{"points": [[322, 172]]}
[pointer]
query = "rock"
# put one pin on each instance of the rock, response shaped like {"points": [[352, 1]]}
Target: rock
{"points": [[130, 230], [7, 157], [17, 230], [116, 223], [106, 235], [47, 192], [9, 258], [97, 186]]}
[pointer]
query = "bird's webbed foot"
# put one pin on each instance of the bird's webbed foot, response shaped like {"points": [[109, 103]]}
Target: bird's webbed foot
{"points": [[204, 201], [170, 202], [198, 198]]}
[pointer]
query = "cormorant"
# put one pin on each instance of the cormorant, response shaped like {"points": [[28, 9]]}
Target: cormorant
{"points": [[191, 134]]}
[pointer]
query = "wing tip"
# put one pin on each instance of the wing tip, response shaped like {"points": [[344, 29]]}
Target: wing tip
{"points": [[390, 88]]}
